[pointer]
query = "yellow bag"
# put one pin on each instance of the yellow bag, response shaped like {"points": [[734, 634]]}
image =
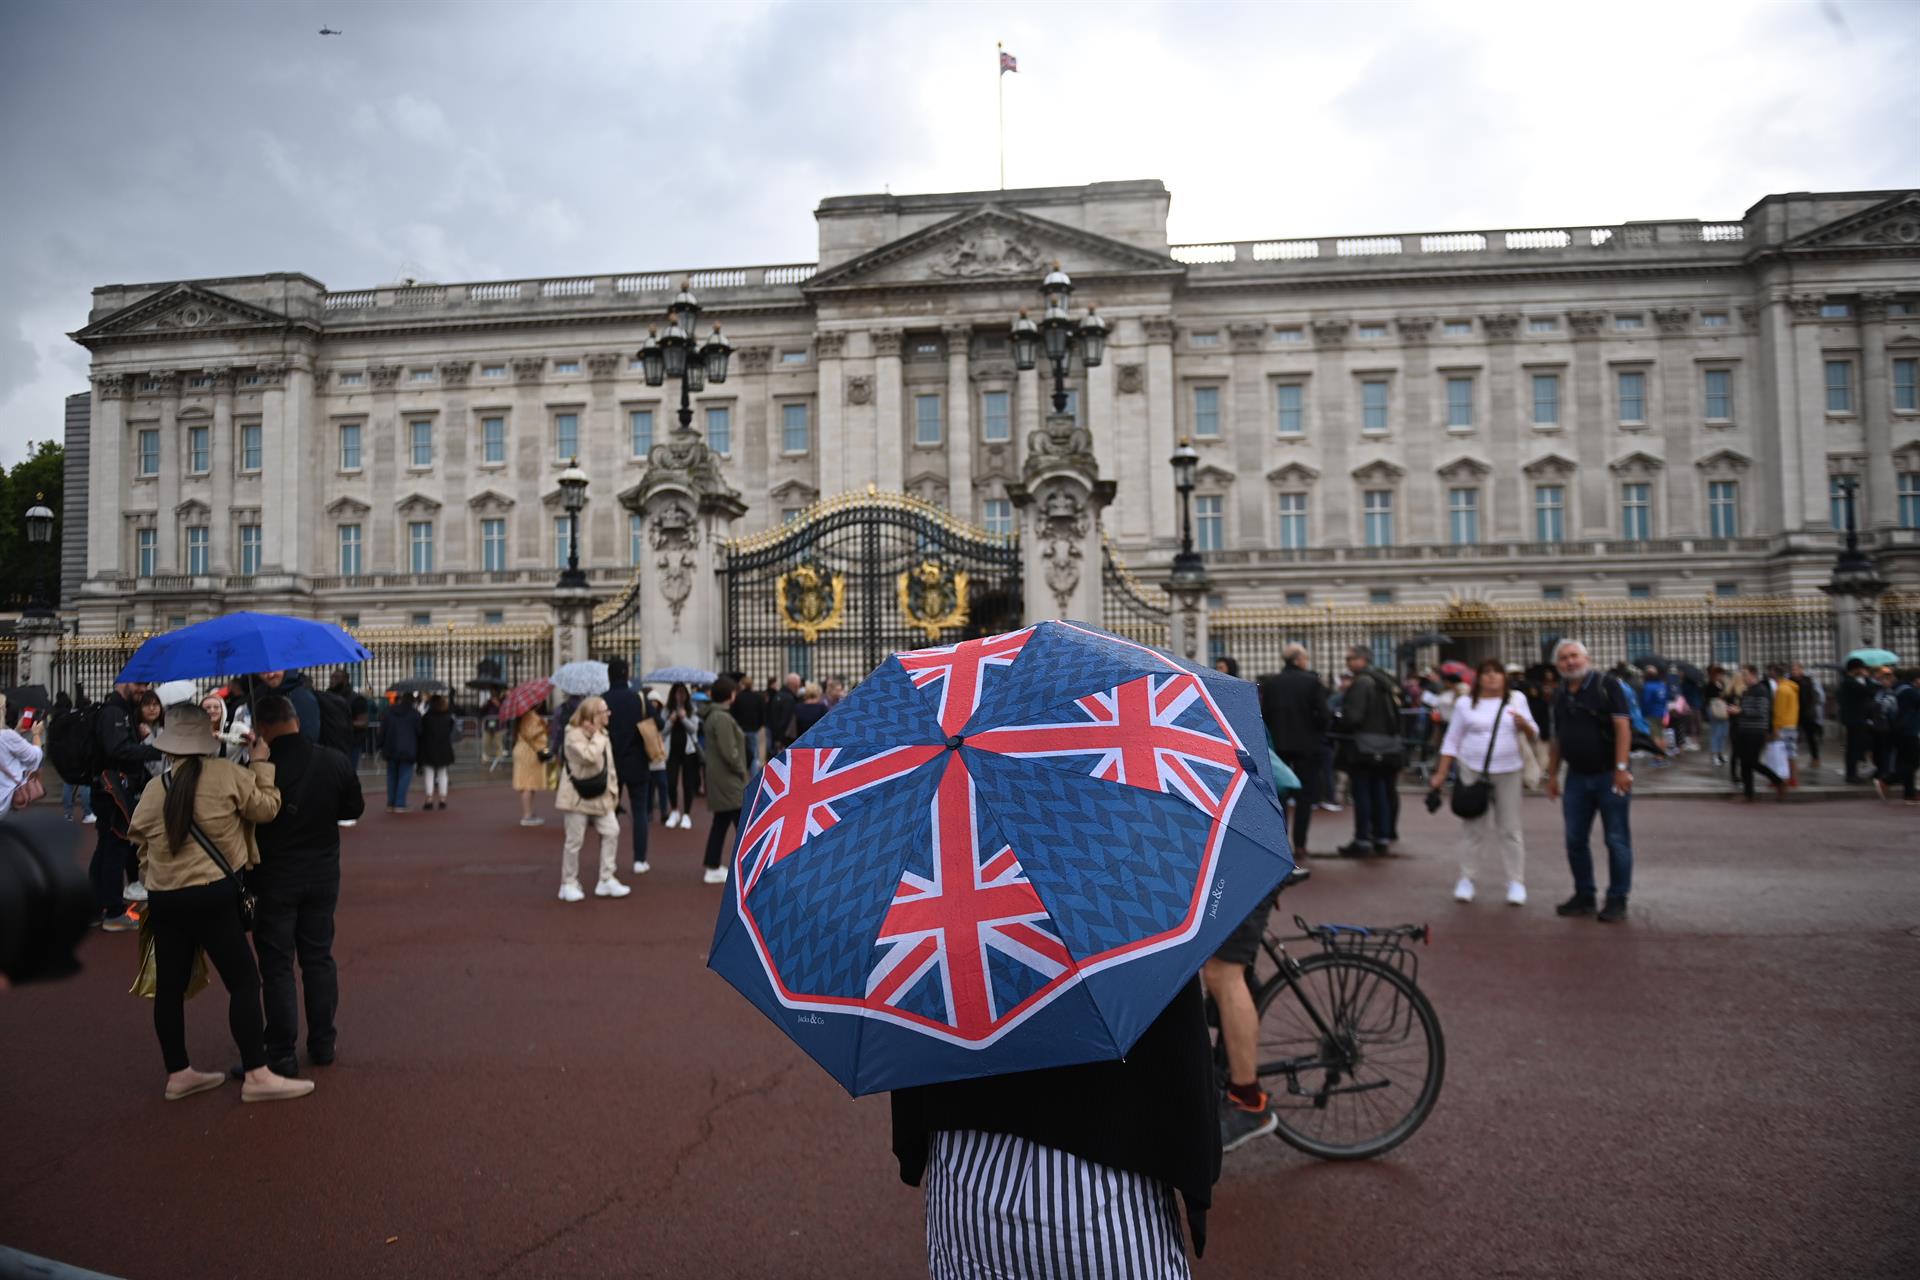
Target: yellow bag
{"points": [[146, 979]]}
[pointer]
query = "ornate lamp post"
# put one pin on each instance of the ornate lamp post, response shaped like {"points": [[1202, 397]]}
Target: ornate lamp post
{"points": [[678, 353], [573, 496], [39, 536], [1856, 579], [1058, 333], [1187, 563], [1188, 584]]}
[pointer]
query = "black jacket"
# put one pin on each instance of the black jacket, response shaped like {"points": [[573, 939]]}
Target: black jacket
{"points": [[1372, 704], [750, 709], [1294, 706], [436, 739], [400, 733], [1155, 1112], [117, 739], [318, 791], [624, 711], [780, 709], [1856, 699]]}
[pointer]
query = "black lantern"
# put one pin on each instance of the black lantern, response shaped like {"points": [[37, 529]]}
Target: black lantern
{"points": [[714, 354], [1186, 462], [1059, 333], [573, 497], [677, 352], [684, 308], [653, 358], [674, 344], [39, 535]]}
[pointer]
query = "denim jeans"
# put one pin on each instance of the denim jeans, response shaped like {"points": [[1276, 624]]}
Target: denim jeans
{"points": [[1582, 794], [70, 793], [1372, 805], [399, 778], [1717, 736]]}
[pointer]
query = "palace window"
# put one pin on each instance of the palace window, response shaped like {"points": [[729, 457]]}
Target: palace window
{"points": [[1457, 329], [793, 428], [1839, 386], [1542, 324], [1553, 594], [419, 375], [1636, 511], [1837, 501], [1208, 339], [1549, 513], [351, 379], [1206, 413], [1373, 405], [926, 420], [148, 449], [1380, 596], [1631, 393], [1459, 402], [1713, 319], [146, 545], [349, 446], [350, 561], [493, 371], [1463, 516], [1291, 398], [1290, 333], [998, 515], [199, 382], [720, 428], [493, 544], [1293, 521], [199, 451], [1909, 493], [566, 366], [1297, 600], [198, 547], [636, 540], [251, 449], [1723, 509], [420, 546], [420, 442], [1629, 322], [1718, 386], [1371, 331], [1209, 522], [493, 440], [249, 550], [1726, 646], [1546, 399], [1377, 505], [996, 416], [793, 357], [1906, 385], [566, 436], [640, 432], [1834, 311], [562, 540]]}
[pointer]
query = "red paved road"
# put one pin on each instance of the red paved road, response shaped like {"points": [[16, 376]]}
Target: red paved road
{"points": [[1727, 1086]]}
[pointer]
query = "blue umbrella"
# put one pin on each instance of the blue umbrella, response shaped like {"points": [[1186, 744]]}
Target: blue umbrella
{"points": [[1000, 855], [680, 675], [240, 644], [1875, 657]]}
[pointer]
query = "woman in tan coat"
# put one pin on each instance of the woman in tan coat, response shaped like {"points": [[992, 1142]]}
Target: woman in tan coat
{"points": [[588, 793], [529, 771], [194, 902]]}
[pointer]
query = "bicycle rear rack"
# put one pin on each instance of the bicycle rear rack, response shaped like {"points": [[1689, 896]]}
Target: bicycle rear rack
{"points": [[1389, 944]]}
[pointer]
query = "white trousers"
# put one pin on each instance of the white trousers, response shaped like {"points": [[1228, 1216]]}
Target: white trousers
{"points": [[609, 828], [434, 778], [1499, 825]]}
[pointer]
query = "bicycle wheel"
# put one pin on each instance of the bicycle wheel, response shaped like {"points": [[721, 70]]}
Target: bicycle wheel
{"points": [[1351, 1055]]}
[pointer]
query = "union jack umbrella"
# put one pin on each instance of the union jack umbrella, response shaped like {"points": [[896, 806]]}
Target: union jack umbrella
{"points": [[1000, 855]]}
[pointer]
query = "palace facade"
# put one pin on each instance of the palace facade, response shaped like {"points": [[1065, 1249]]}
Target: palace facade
{"points": [[1647, 409]]}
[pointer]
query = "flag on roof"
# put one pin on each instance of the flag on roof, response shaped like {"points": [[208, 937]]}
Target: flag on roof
{"points": [[1008, 62]]}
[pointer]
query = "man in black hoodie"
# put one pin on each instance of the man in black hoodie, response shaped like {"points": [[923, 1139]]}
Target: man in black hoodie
{"points": [[298, 884], [122, 751]]}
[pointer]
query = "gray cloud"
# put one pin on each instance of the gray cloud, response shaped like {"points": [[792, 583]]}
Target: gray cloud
{"points": [[483, 140]]}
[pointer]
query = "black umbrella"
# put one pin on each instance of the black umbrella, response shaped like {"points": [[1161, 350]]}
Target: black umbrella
{"points": [[1424, 639], [487, 676], [23, 696], [418, 684]]}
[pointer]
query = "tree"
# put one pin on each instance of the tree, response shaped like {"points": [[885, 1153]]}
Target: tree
{"points": [[37, 478]]}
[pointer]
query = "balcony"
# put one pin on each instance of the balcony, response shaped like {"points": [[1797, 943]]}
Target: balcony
{"points": [[719, 288]]}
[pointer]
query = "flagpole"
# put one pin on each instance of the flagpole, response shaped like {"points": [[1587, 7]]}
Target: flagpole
{"points": [[1000, 80]]}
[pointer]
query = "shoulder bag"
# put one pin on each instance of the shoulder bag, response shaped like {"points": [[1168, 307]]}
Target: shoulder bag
{"points": [[1471, 799], [591, 787], [248, 903]]}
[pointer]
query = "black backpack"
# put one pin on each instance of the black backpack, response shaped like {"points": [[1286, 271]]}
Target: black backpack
{"points": [[73, 744], [336, 720]]}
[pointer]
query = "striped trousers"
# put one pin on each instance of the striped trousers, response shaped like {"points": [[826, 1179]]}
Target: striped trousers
{"points": [[1003, 1208]]}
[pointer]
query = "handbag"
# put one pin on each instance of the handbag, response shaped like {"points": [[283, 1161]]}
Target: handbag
{"points": [[1471, 799], [146, 978], [30, 790], [249, 904], [591, 787]]}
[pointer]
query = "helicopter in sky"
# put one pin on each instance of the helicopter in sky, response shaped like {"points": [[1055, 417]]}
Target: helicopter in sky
{"points": [[329, 31]]}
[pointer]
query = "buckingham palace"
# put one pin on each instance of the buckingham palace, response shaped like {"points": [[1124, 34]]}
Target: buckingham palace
{"points": [[1639, 410]]}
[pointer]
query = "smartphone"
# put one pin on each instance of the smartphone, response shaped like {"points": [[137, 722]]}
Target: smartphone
{"points": [[27, 716]]}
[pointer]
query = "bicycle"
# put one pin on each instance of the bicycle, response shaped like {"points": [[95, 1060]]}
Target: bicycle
{"points": [[1350, 1050]]}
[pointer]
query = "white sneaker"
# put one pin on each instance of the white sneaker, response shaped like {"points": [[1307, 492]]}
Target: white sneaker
{"points": [[673, 819], [715, 875], [136, 892], [686, 822], [533, 822], [1463, 892], [641, 868], [347, 822], [610, 889], [1516, 894], [89, 820], [571, 893]]}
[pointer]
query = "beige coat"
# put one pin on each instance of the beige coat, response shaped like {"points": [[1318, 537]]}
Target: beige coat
{"points": [[529, 740], [587, 754], [229, 801]]}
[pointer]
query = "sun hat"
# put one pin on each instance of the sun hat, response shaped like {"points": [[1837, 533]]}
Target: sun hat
{"points": [[187, 732]]}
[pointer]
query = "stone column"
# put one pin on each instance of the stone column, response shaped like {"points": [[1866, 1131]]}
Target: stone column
{"points": [[959, 421], [458, 535], [1163, 506], [1427, 445], [39, 638], [1506, 512], [532, 455], [829, 392], [107, 473], [1686, 505], [889, 436], [1250, 425], [171, 554], [223, 555], [1589, 429], [1876, 415], [1187, 624], [1060, 496], [1339, 421], [572, 624], [383, 459], [687, 508]]}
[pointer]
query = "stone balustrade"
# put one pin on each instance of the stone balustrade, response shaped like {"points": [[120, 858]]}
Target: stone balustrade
{"points": [[717, 287], [1464, 247]]}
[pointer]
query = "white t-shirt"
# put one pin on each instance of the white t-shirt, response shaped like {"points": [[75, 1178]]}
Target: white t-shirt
{"points": [[1467, 731]]}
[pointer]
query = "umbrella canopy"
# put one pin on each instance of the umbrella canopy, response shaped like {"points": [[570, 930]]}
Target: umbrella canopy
{"points": [[680, 675], [582, 679], [240, 644], [174, 692], [1876, 657], [523, 698], [1456, 668], [23, 696], [418, 684], [1000, 855]]}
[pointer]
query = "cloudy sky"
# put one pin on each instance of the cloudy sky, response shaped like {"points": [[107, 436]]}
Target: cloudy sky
{"points": [[168, 139]]}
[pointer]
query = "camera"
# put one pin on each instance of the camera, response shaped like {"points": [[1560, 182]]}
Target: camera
{"points": [[46, 903]]}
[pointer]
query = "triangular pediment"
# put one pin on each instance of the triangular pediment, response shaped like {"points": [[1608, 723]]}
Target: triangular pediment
{"points": [[1379, 471], [1466, 467], [1214, 477], [192, 509], [181, 310], [1293, 473], [794, 492], [491, 498], [1725, 460], [1551, 465], [417, 503], [1893, 223], [1636, 461], [989, 245], [347, 507]]}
